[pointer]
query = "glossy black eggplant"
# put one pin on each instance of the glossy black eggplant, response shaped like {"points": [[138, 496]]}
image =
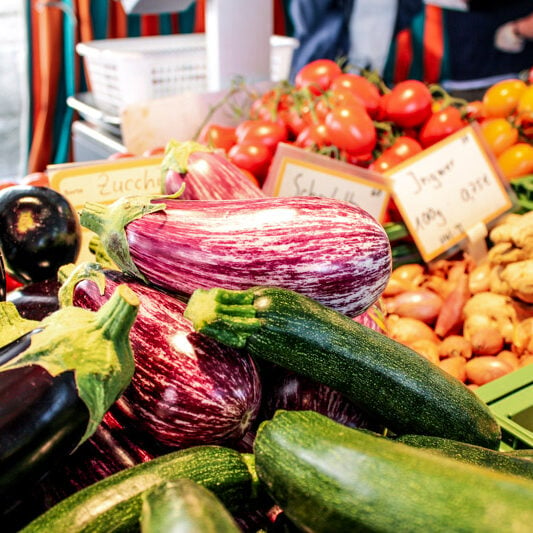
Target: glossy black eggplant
{"points": [[35, 301], [55, 389], [39, 232], [42, 419]]}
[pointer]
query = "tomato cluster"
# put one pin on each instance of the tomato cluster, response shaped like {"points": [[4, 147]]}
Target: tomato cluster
{"points": [[360, 120], [505, 115]]}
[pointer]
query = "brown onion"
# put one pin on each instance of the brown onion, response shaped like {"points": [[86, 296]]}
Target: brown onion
{"points": [[486, 341], [455, 346], [421, 304], [486, 368], [407, 330], [455, 366]]}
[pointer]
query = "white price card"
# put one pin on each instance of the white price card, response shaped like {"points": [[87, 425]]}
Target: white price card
{"points": [[104, 182], [297, 172], [447, 191]]}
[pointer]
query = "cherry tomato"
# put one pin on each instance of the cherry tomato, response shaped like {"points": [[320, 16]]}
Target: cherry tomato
{"points": [[218, 136], [517, 160], [317, 75], [253, 156], [524, 108], [38, 179], [475, 111], [351, 128], [366, 92], [501, 99], [439, 125], [313, 136], [499, 134], [409, 104], [267, 132]]}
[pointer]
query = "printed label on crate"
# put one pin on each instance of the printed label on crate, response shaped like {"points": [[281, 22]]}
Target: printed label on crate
{"points": [[296, 172], [104, 182], [449, 190]]}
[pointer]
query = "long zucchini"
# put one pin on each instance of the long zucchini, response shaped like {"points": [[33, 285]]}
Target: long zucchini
{"points": [[496, 460], [405, 391], [184, 506], [115, 503], [330, 478]]}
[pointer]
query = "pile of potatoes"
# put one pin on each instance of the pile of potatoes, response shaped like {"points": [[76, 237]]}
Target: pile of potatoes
{"points": [[474, 320]]}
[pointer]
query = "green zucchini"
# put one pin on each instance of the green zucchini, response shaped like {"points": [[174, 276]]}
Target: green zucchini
{"points": [[408, 393], [114, 504], [496, 460], [184, 506], [331, 478]]}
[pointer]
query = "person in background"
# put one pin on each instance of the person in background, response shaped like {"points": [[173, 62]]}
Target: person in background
{"points": [[466, 50]]}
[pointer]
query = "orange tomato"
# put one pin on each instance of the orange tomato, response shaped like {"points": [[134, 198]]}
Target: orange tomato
{"points": [[499, 134], [501, 99], [517, 160], [524, 109], [37, 179]]}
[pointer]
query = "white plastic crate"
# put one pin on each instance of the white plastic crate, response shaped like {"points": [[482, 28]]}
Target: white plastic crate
{"points": [[123, 71]]}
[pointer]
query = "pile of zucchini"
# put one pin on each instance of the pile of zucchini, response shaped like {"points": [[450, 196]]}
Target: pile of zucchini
{"points": [[436, 467]]}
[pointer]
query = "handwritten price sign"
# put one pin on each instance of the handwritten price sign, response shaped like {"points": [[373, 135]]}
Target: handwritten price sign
{"points": [[449, 189], [296, 172]]}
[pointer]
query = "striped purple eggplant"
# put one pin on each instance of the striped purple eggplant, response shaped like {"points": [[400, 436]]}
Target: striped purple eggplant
{"points": [[205, 174], [186, 389], [327, 249]]}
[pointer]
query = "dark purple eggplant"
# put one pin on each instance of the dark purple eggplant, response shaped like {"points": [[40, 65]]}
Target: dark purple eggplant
{"points": [[187, 389], [16, 331], [3, 289], [54, 392], [39, 232], [36, 301]]}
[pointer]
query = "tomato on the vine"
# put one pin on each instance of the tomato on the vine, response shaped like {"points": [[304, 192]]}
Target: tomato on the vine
{"points": [[313, 136], [499, 134], [474, 110], [501, 99], [409, 104], [218, 136], [351, 128], [517, 160], [266, 132], [439, 125], [317, 75], [365, 91], [402, 149], [253, 156]]}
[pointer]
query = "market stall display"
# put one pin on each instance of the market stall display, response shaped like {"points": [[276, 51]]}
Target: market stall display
{"points": [[263, 332]]}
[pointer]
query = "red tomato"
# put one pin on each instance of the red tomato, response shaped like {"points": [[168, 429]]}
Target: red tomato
{"points": [[403, 148], [499, 134], [474, 110], [439, 125], [381, 113], [517, 160], [250, 176], [313, 136], [37, 179], [409, 104], [266, 132], [366, 92], [351, 128], [317, 75], [253, 156], [218, 136], [501, 99]]}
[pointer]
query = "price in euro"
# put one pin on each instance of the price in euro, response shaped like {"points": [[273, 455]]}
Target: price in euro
{"points": [[473, 188]]}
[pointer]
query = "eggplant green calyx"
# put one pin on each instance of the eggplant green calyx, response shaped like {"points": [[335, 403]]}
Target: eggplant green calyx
{"points": [[229, 316], [177, 155], [109, 222], [70, 275], [94, 345], [12, 325]]}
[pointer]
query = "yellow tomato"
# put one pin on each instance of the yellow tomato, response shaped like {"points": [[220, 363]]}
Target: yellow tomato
{"points": [[517, 160], [501, 99], [499, 134], [524, 108]]}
